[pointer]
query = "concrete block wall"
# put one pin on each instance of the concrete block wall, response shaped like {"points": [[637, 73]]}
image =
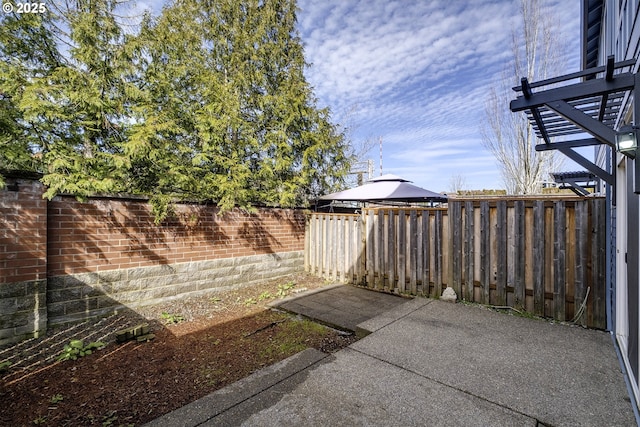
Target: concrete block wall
{"points": [[77, 297], [23, 260], [63, 261]]}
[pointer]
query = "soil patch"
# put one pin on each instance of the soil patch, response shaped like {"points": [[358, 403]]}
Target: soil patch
{"points": [[199, 345]]}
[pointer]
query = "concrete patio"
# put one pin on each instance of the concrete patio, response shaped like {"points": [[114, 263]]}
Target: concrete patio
{"points": [[427, 362]]}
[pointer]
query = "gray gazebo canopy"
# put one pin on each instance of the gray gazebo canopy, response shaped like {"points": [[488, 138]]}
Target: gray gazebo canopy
{"points": [[384, 189]]}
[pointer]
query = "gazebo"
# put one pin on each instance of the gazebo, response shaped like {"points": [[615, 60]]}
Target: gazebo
{"points": [[386, 189]]}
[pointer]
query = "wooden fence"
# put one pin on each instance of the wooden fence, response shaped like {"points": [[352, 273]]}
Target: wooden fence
{"points": [[545, 256]]}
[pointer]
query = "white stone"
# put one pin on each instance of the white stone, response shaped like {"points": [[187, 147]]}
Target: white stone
{"points": [[449, 295]]}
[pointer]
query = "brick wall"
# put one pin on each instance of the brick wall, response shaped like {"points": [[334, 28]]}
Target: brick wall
{"points": [[113, 234], [93, 258], [23, 259]]}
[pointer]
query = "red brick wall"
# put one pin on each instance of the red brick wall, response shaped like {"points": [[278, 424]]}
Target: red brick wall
{"points": [[23, 232], [113, 234]]}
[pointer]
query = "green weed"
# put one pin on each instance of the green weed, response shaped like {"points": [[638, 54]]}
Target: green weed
{"points": [[76, 348], [283, 289], [171, 319], [56, 398]]}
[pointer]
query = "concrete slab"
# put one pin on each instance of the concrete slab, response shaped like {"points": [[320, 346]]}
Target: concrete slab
{"points": [[251, 387], [558, 374], [342, 307], [355, 389], [427, 362]]}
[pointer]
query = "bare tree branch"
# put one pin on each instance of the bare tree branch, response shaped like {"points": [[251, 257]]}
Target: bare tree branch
{"points": [[509, 137]]}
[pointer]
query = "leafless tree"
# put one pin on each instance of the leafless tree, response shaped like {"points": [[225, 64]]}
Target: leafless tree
{"points": [[359, 149], [457, 183], [537, 54]]}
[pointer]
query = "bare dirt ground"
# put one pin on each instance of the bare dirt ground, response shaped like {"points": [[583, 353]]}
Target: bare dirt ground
{"points": [[199, 345]]}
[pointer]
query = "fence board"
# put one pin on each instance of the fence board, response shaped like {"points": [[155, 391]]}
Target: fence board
{"points": [[392, 250], [538, 257], [402, 251], [437, 252], [519, 240], [413, 251], [542, 254], [379, 281], [501, 253], [559, 265], [599, 267], [426, 253], [455, 219], [469, 255], [581, 223], [485, 252]]}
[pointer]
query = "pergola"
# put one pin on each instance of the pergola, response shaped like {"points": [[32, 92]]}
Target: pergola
{"points": [[578, 182], [585, 102]]}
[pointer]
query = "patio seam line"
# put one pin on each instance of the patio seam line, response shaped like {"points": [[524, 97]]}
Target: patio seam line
{"points": [[446, 385], [258, 392], [403, 316]]}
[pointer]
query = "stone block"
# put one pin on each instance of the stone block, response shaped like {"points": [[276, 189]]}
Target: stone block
{"points": [[8, 305], [145, 338], [146, 272], [112, 276], [80, 306], [62, 295], [55, 283], [8, 290], [55, 310], [116, 288], [105, 301], [15, 320], [80, 280]]}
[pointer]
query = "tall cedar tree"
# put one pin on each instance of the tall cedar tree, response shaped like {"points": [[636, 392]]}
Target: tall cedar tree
{"points": [[206, 101]]}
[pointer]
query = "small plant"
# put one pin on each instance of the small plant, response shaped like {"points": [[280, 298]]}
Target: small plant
{"points": [[250, 301], [215, 300], [171, 319], [56, 398], [76, 348], [284, 289], [109, 418], [4, 366], [40, 420], [265, 295]]}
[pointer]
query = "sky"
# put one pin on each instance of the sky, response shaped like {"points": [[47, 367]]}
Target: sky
{"points": [[416, 74]]}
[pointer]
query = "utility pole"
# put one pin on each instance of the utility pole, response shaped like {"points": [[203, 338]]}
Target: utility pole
{"points": [[380, 140]]}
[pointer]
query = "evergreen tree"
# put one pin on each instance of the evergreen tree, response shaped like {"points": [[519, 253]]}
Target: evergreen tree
{"points": [[208, 101]]}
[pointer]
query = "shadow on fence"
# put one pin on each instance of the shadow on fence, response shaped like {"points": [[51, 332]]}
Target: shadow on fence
{"points": [[544, 255]]}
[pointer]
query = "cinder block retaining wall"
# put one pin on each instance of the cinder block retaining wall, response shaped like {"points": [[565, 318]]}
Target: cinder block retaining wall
{"points": [[63, 261], [23, 259]]}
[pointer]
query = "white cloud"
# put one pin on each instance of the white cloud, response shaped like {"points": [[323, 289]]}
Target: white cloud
{"points": [[419, 74]]}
